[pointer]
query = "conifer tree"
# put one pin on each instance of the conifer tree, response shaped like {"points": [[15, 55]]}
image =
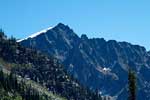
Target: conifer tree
{"points": [[1, 33], [132, 85]]}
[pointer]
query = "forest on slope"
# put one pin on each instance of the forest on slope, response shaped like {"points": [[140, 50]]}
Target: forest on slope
{"points": [[44, 70]]}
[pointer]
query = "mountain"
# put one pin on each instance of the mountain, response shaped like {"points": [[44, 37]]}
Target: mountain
{"points": [[40, 72], [99, 64], [12, 85]]}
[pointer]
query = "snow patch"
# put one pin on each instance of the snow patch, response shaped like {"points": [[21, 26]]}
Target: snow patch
{"points": [[36, 34], [106, 69]]}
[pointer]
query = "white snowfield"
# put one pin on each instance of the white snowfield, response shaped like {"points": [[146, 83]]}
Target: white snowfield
{"points": [[36, 34], [106, 69]]}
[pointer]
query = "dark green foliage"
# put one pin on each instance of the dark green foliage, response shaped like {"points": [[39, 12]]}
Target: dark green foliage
{"points": [[2, 35], [47, 71], [13, 39], [132, 85], [10, 84]]}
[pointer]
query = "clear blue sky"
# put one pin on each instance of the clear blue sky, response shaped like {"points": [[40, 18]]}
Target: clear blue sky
{"points": [[122, 20]]}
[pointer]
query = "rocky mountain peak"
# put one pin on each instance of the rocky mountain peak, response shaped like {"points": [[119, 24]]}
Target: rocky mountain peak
{"points": [[63, 27], [89, 61], [84, 37]]}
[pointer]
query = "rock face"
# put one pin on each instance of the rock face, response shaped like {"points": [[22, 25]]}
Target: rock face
{"points": [[96, 63]]}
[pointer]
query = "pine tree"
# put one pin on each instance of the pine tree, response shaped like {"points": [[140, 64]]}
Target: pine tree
{"points": [[132, 85], [1, 33], [2, 78]]}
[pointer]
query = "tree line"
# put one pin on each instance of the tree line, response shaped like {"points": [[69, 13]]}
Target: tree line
{"points": [[10, 84]]}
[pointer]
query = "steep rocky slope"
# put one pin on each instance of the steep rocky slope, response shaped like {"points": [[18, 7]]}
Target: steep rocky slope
{"points": [[42, 69], [97, 63]]}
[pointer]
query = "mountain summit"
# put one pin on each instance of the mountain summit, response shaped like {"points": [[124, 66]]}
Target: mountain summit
{"points": [[96, 63]]}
